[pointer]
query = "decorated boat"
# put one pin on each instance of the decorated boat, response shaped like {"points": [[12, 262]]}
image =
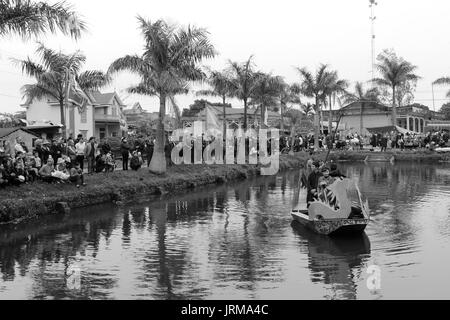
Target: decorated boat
{"points": [[340, 211]]}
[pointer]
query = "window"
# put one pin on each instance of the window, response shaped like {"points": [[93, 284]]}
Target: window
{"points": [[114, 134], [102, 132], [114, 111]]}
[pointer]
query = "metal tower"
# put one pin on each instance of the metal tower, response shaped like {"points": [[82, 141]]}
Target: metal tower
{"points": [[372, 5]]}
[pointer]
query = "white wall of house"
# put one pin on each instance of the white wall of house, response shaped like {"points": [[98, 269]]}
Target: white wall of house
{"points": [[41, 110], [352, 122], [84, 124]]}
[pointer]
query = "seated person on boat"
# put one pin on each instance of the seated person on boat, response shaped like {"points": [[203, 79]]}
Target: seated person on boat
{"points": [[313, 183], [325, 194]]}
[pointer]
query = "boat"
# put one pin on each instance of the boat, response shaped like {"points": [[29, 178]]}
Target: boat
{"points": [[336, 214]]}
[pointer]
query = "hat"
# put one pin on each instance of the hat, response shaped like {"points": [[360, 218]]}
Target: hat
{"points": [[21, 178], [316, 163], [60, 161], [325, 169]]}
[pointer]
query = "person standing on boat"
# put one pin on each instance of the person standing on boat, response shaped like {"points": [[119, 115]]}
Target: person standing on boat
{"points": [[313, 182]]}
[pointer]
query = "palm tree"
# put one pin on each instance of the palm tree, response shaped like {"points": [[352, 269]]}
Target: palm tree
{"points": [[316, 86], [169, 62], [289, 95], [27, 18], [266, 91], [244, 82], [221, 86], [394, 71], [335, 88], [443, 81], [55, 73], [363, 97]]}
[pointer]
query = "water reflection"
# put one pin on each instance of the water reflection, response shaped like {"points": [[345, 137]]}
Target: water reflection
{"points": [[335, 262], [235, 241]]}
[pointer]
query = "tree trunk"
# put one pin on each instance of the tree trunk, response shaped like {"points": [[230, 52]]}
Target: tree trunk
{"points": [[394, 110], [361, 121], [282, 119], [224, 118], [262, 115], [330, 117], [245, 114], [158, 164], [63, 118], [316, 125]]}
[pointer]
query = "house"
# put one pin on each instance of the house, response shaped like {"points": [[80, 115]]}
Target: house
{"points": [[93, 114], [137, 115], [11, 134], [414, 118], [109, 118]]}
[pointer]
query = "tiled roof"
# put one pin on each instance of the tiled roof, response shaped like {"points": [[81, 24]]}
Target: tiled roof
{"points": [[7, 131], [105, 98]]}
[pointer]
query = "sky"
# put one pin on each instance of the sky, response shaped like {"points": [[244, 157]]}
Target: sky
{"points": [[282, 35]]}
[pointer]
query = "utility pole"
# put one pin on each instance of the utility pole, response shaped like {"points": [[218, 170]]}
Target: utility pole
{"points": [[66, 104], [432, 91], [372, 20]]}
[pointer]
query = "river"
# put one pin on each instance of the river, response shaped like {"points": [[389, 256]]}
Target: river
{"points": [[236, 241]]}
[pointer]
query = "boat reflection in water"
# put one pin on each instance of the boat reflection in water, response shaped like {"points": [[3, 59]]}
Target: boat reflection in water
{"points": [[336, 262]]}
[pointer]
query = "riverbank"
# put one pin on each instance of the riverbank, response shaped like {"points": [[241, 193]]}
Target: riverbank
{"points": [[31, 201], [425, 156]]}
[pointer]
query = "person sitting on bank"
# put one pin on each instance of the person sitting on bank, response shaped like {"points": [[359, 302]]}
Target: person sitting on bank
{"points": [[135, 163], [76, 175], [46, 171]]}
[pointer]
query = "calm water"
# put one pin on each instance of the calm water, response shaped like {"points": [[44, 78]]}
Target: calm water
{"points": [[237, 242]]}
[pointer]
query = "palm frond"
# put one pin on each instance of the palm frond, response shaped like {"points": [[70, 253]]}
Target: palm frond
{"points": [[93, 80], [27, 18]]}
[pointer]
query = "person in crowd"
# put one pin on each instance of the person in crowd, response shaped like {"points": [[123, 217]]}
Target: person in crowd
{"points": [[56, 150], [18, 147], [61, 173], [37, 160], [76, 175], [104, 146], [149, 148], [100, 163], [30, 167], [71, 150], [80, 148], [91, 152], [3, 176], [110, 165], [125, 151], [78, 139], [46, 171], [135, 163]]}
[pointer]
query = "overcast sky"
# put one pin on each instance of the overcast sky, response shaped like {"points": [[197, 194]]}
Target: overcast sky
{"points": [[281, 34]]}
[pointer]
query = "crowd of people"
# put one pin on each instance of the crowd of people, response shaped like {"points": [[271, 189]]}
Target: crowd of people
{"points": [[63, 160], [387, 141]]}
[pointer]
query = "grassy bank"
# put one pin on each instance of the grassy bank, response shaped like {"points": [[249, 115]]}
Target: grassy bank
{"points": [[33, 200], [400, 156]]}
